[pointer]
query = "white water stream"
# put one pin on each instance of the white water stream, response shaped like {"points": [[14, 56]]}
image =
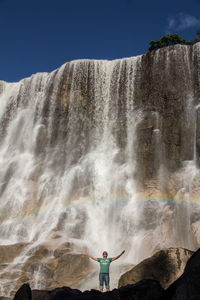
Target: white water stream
{"points": [[79, 185]]}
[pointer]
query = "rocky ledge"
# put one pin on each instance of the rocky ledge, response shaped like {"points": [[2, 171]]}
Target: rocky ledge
{"points": [[165, 266], [186, 287]]}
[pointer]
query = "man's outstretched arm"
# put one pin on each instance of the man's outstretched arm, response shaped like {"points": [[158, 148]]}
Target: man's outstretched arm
{"points": [[89, 255], [114, 258]]}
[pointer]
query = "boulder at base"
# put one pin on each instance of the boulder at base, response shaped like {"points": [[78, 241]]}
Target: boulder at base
{"points": [[165, 266], [187, 286], [144, 290], [24, 293]]}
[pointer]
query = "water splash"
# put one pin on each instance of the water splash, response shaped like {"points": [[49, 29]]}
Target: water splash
{"points": [[65, 174]]}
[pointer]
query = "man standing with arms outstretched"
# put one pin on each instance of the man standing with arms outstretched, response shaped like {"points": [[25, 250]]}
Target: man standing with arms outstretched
{"points": [[104, 269]]}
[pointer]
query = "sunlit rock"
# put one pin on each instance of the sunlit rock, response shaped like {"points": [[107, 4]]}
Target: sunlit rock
{"points": [[165, 266]]}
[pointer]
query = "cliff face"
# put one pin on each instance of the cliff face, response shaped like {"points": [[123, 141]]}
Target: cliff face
{"points": [[168, 91], [102, 144]]}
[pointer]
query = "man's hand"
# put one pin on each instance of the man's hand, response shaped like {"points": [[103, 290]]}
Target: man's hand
{"points": [[114, 258]]}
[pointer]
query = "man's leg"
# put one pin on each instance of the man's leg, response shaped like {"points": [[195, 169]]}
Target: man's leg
{"points": [[101, 282], [107, 282]]}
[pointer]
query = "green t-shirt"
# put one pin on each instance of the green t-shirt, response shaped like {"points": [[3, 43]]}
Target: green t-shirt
{"points": [[104, 264]]}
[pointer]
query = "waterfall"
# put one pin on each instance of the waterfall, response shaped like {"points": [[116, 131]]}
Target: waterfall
{"points": [[67, 157], [102, 155]]}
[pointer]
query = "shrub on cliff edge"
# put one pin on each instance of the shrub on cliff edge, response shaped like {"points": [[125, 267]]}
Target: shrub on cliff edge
{"points": [[169, 40]]}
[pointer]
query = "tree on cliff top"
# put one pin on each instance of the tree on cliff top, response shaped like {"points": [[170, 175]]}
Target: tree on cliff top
{"points": [[166, 40], [171, 39]]}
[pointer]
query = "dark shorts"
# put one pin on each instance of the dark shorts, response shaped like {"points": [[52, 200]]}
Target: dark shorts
{"points": [[104, 278]]}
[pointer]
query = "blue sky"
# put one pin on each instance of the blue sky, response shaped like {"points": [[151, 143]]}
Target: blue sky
{"points": [[40, 35]]}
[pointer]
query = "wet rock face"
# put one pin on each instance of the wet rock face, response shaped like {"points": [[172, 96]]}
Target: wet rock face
{"points": [[165, 91], [165, 266], [9, 252], [55, 267], [62, 269], [163, 86]]}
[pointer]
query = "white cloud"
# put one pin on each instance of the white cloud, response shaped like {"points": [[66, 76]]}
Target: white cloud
{"points": [[182, 21]]}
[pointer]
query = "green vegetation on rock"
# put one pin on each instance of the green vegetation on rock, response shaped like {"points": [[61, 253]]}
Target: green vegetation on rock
{"points": [[171, 39]]}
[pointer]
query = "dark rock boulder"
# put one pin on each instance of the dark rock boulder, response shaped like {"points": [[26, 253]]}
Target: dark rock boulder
{"points": [[41, 295], [65, 293], [165, 266], [147, 289], [187, 286], [193, 262], [24, 293], [73, 294]]}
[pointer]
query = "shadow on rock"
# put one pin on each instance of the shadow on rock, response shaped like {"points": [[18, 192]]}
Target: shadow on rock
{"points": [[147, 289], [23, 293], [187, 286]]}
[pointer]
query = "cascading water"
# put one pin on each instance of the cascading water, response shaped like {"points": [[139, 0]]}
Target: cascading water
{"points": [[74, 153], [181, 219], [189, 172], [69, 175]]}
